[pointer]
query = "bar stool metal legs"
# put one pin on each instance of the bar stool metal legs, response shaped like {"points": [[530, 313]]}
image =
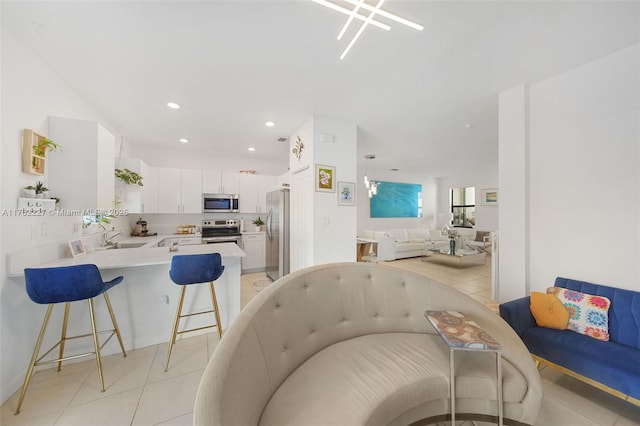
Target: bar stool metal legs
{"points": [[176, 324], [36, 359]]}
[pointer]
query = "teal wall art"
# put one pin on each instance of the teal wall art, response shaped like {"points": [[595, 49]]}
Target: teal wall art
{"points": [[397, 200]]}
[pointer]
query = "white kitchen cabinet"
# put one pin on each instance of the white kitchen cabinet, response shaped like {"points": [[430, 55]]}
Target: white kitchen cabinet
{"points": [[253, 192], [191, 191], [135, 198], [253, 246], [265, 184], [181, 241], [169, 190], [150, 189], [179, 191], [81, 174], [248, 193], [214, 182]]}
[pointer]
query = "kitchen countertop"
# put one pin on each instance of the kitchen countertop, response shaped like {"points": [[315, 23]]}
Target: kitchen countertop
{"points": [[139, 256], [253, 232]]}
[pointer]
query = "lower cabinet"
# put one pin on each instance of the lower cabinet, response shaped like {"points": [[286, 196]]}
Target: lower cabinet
{"points": [[253, 246]]}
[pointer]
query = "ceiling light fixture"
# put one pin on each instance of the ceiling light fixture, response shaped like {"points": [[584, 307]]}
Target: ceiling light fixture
{"points": [[350, 13], [269, 124], [354, 14], [184, 140], [251, 149], [173, 105]]}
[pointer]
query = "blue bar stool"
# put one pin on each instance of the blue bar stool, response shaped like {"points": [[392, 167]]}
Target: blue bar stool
{"points": [[67, 284], [195, 269]]}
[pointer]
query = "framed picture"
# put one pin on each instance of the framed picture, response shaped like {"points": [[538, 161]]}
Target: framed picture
{"points": [[490, 197], [77, 248], [325, 178], [346, 194]]}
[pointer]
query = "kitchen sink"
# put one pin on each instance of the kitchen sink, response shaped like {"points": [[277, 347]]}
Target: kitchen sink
{"points": [[128, 245]]}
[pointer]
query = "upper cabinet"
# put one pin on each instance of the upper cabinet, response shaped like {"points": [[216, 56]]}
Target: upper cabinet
{"points": [[81, 174], [253, 192], [179, 191], [135, 198], [220, 182]]}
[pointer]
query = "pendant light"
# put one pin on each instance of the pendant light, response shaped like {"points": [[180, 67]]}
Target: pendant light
{"points": [[371, 185]]}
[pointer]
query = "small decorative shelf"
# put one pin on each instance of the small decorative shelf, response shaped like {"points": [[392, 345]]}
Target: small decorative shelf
{"points": [[32, 163]]}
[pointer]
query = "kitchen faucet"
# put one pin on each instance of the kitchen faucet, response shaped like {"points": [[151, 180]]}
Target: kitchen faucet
{"points": [[107, 238]]}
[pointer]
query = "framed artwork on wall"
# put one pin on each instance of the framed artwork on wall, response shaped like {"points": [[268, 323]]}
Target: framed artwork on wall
{"points": [[77, 248], [490, 197], [325, 178], [346, 194]]}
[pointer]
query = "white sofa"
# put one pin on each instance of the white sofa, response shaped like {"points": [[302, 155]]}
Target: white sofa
{"points": [[348, 344], [401, 243]]}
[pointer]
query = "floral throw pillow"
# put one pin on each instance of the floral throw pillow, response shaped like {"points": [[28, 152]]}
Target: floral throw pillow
{"points": [[588, 314]]}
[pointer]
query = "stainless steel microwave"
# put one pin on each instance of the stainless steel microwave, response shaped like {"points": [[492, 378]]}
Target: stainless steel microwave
{"points": [[220, 203]]}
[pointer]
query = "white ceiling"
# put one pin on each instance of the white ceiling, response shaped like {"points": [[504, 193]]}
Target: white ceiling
{"points": [[233, 65]]}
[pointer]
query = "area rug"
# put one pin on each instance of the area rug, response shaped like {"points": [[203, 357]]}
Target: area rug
{"points": [[260, 284]]}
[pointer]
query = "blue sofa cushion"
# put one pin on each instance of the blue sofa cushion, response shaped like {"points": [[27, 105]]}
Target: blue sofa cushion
{"points": [[588, 357]]}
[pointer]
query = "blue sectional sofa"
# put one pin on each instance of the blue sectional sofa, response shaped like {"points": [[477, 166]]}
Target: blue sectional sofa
{"points": [[613, 366]]}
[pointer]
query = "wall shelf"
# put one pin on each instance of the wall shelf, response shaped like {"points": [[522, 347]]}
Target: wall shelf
{"points": [[32, 163]]}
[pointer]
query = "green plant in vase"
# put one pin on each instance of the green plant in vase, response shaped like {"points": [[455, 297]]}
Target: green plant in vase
{"points": [[44, 145], [41, 190], [258, 223], [129, 177]]}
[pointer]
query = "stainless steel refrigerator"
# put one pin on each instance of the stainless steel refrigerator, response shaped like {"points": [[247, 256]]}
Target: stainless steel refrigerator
{"points": [[277, 249]]}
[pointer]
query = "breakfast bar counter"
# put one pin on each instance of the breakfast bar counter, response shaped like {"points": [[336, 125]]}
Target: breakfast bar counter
{"points": [[145, 302]]}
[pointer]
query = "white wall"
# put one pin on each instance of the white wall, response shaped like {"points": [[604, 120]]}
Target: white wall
{"points": [[202, 159], [322, 231], [486, 216], [31, 92], [334, 226], [585, 174], [429, 200], [513, 195], [582, 195]]}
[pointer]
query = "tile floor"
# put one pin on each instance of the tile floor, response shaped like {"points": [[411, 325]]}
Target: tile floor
{"points": [[139, 392]]}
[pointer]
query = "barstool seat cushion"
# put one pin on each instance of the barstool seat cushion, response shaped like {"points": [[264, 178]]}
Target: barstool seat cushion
{"points": [[66, 283], [196, 268]]}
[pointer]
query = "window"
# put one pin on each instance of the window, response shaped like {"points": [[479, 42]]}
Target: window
{"points": [[463, 207]]}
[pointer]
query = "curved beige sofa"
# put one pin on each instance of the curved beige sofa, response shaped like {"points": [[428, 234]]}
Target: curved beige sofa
{"points": [[348, 344]]}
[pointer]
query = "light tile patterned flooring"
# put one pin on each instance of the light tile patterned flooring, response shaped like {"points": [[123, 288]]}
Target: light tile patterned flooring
{"points": [[139, 392]]}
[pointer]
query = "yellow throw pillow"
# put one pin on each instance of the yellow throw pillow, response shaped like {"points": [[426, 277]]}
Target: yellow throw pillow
{"points": [[549, 311]]}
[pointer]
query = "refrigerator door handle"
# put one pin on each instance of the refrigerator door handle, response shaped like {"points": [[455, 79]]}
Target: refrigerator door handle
{"points": [[269, 217]]}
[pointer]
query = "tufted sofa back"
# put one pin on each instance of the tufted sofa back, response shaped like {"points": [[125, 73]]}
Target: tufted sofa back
{"points": [[311, 309], [624, 312]]}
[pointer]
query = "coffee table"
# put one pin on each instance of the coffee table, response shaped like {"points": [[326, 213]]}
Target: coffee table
{"points": [[465, 257]]}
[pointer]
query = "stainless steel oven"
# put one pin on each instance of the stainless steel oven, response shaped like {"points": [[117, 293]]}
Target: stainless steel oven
{"points": [[220, 231]]}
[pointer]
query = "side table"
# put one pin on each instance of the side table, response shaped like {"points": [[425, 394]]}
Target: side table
{"points": [[462, 334]]}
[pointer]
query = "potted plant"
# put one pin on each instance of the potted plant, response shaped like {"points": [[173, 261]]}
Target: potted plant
{"points": [[41, 190], [29, 191], [44, 145], [129, 177], [258, 223]]}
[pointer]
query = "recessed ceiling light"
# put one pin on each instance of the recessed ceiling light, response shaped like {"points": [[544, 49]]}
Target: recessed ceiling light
{"points": [[251, 149], [269, 124], [173, 105], [184, 140], [468, 125]]}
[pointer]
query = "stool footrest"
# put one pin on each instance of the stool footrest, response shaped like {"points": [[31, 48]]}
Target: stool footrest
{"points": [[196, 329], [40, 362], [197, 313]]}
